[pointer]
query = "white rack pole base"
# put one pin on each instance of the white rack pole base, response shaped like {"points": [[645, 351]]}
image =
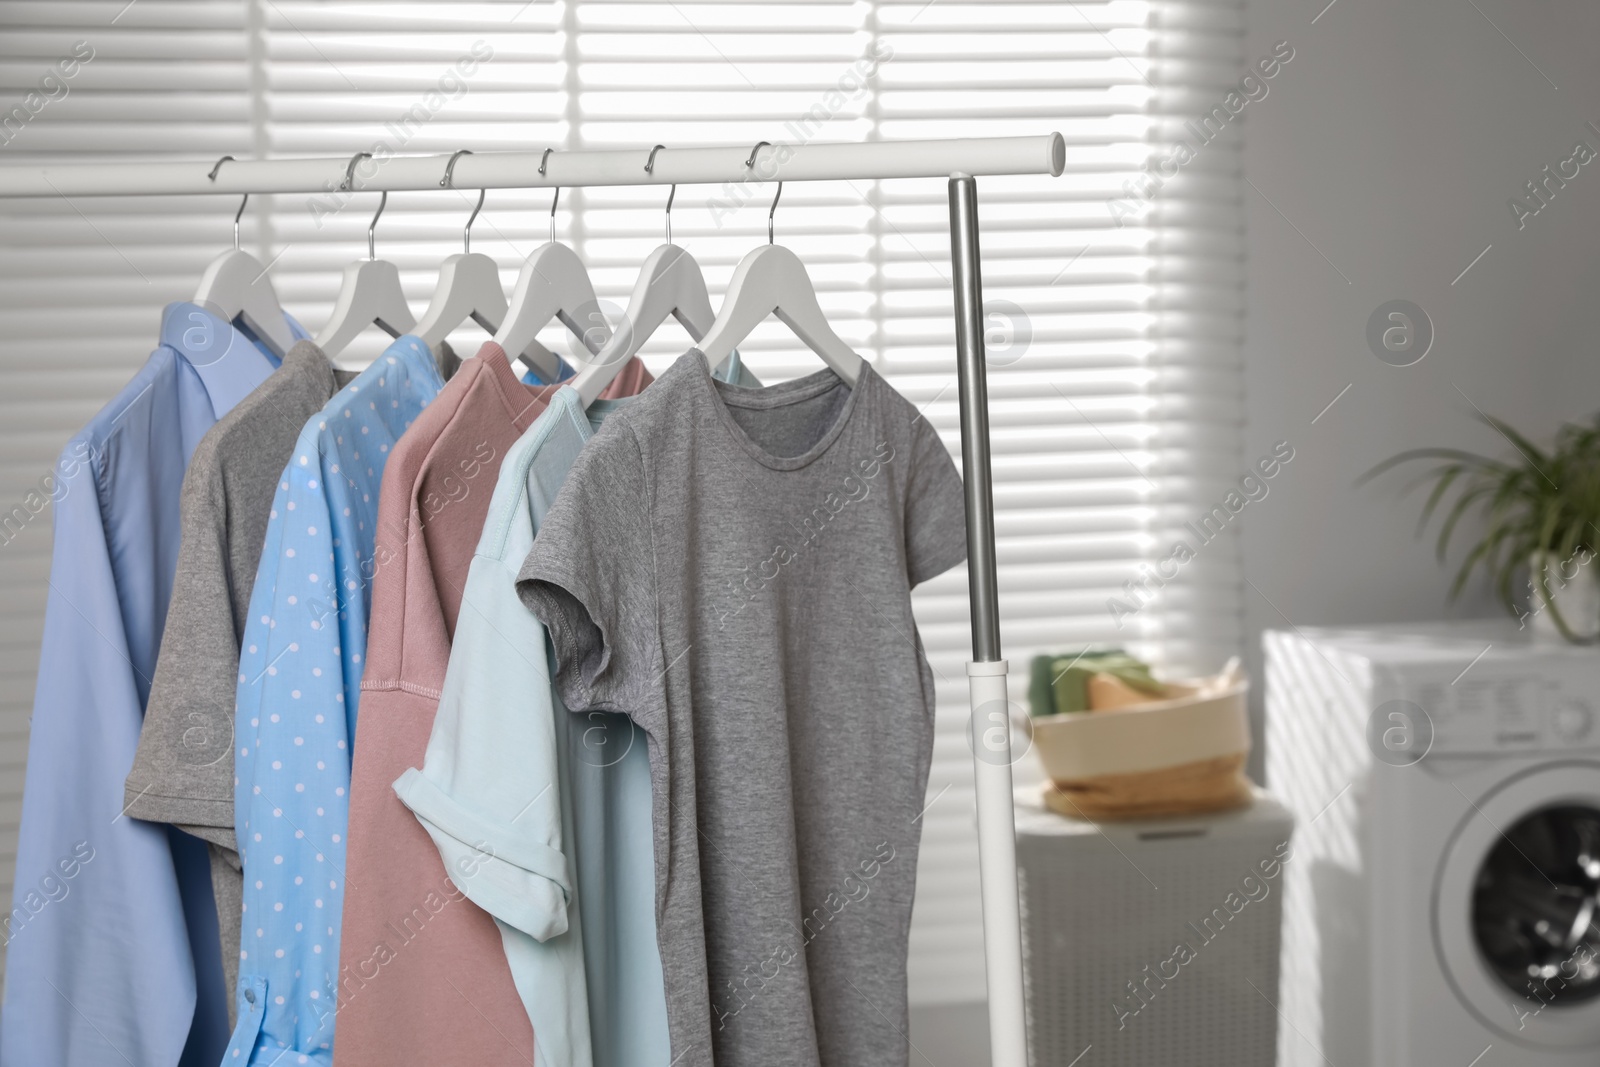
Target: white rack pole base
{"points": [[986, 674], [997, 863]]}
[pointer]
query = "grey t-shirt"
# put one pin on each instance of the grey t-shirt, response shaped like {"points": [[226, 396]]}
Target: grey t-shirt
{"points": [[183, 770], [732, 567]]}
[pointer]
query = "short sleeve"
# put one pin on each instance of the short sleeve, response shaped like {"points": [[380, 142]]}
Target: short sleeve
{"points": [[183, 771], [590, 578], [485, 792], [936, 525]]}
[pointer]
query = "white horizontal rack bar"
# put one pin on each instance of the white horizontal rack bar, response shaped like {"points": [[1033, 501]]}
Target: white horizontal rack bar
{"points": [[862, 161]]}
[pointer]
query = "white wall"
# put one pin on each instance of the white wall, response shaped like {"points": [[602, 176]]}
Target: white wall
{"points": [[1393, 142]]}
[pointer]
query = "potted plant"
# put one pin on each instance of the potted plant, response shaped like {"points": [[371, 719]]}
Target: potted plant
{"points": [[1540, 509]]}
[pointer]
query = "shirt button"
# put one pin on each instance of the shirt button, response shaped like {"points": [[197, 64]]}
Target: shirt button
{"points": [[250, 996]]}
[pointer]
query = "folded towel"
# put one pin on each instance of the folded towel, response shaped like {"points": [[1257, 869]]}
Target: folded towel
{"points": [[1060, 683]]}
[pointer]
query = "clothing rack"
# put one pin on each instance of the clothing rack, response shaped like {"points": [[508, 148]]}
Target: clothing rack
{"points": [[959, 160]]}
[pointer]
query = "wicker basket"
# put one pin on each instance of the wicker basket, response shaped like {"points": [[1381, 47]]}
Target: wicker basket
{"points": [[1182, 755]]}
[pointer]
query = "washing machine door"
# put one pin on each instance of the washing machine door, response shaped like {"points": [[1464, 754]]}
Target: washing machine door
{"points": [[1516, 913]]}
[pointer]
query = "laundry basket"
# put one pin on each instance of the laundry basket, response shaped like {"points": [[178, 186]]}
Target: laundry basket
{"points": [[1181, 755]]}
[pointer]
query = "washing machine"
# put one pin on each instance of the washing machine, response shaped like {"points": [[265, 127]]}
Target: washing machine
{"points": [[1440, 903]]}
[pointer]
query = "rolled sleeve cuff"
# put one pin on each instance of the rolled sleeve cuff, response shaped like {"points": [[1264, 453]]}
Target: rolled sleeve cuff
{"points": [[522, 883]]}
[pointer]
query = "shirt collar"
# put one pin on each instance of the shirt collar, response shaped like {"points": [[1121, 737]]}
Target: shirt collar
{"points": [[227, 362], [414, 352], [306, 360]]}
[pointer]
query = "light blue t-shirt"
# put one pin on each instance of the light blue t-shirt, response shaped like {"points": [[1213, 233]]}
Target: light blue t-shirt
{"points": [[300, 667]]}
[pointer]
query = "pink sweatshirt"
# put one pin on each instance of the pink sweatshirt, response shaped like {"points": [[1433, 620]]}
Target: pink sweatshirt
{"points": [[423, 976]]}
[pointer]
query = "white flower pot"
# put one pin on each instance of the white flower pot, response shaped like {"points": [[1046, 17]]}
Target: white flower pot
{"points": [[1574, 592]]}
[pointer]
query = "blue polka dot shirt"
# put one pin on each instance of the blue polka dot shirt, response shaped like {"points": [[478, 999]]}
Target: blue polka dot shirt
{"points": [[300, 668]]}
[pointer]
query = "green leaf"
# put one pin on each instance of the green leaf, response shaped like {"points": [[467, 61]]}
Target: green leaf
{"points": [[1447, 476], [1529, 450], [1535, 504], [1470, 459], [1465, 501]]}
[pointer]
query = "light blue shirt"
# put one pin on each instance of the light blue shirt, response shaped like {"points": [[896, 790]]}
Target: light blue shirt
{"points": [[517, 792], [112, 951], [300, 666]]}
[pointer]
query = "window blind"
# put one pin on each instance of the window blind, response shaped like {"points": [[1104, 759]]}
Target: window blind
{"points": [[1114, 318]]}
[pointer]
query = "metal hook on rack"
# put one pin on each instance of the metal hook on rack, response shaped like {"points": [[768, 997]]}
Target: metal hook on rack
{"points": [[349, 183], [544, 161], [240, 213], [759, 146], [449, 182], [771, 210], [649, 168], [350, 171]]}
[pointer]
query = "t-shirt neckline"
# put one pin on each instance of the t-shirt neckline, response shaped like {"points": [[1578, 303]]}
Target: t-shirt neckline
{"points": [[722, 394]]}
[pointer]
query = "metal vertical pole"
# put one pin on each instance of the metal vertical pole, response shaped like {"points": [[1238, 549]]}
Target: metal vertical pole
{"points": [[986, 674]]}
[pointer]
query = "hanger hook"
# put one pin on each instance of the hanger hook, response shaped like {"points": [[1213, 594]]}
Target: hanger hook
{"points": [[240, 214], [749, 163], [649, 168], [466, 231], [544, 161], [350, 171], [554, 200], [372, 249], [449, 182]]}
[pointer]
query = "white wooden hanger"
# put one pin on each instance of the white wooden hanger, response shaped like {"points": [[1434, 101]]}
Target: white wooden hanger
{"points": [[370, 294], [670, 283], [553, 285], [772, 281], [469, 287], [236, 286]]}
